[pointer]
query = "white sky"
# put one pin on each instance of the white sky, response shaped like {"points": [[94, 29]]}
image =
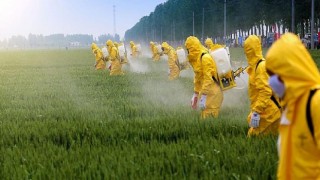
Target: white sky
{"points": [[21, 17]]}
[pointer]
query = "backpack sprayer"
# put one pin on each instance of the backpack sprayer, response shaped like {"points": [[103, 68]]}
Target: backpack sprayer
{"points": [[182, 59], [226, 75], [105, 53], [122, 53]]}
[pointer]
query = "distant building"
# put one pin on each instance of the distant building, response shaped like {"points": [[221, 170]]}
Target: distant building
{"points": [[75, 44]]}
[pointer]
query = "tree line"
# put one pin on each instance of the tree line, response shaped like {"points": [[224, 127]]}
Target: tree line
{"points": [[55, 40], [175, 20]]}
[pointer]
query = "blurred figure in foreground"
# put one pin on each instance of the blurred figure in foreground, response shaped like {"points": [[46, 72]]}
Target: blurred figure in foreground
{"points": [[173, 64], [99, 64], [206, 83], [116, 67], [295, 78], [265, 107]]}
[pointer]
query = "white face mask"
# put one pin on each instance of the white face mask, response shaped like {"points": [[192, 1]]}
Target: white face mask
{"points": [[277, 86]]}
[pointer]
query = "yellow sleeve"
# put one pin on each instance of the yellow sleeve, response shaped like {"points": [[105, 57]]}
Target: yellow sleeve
{"points": [[208, 68], [264, 91], [315, 115]]}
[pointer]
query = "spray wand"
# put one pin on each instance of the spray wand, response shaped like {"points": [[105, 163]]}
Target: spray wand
{"points": [[239, 71]]}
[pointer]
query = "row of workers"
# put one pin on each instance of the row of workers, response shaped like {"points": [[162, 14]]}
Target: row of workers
{"points": [[288, 74], [116, 54], [175, 65], [265, 107], [284, 98]]}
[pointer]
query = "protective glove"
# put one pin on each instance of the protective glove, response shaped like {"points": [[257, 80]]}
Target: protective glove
{"points": [[203, 101], [194, 101], [255, 120]]}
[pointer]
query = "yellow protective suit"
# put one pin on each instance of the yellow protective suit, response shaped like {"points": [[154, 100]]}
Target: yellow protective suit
{"points": [[205, 71], [299, 151], [260, 93], [134, 50], [209, 44], [154, 50], [114, 58], [100, 64], [173, 63]]}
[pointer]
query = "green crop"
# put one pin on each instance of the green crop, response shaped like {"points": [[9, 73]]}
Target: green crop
{"points": [[61, 119]]}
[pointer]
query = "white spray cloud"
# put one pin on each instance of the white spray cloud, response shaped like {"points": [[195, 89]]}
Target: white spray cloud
{"points": [[188, 73], [238, 95], [166, 93], [137, 66]]}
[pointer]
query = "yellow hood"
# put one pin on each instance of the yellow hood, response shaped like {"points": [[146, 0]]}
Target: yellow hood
{"points": [[131, 44], [208, 43], [94, 46], [109, 44], [253, 50], [151, 44], [195, 48], [290, 60], [166, 47]]}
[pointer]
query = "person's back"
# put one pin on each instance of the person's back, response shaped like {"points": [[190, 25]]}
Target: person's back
{"points": [[294, 77]]}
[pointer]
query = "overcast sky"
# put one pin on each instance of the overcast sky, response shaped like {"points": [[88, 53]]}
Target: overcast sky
{"points": [[21, 17]]}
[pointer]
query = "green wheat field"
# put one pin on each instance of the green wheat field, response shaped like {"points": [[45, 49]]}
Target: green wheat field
{"points": [[61, 119]]}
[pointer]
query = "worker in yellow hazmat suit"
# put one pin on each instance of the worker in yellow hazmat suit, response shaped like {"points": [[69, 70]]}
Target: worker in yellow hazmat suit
{"points": [[295, 78], [116, 67], [205, 80], [209, 44], [99, 64], [154, 50], [134, 50], [173, 63], [265, 107]]}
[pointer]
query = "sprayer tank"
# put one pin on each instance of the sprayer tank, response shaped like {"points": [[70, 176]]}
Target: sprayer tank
{"points": [[222, 59]]}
